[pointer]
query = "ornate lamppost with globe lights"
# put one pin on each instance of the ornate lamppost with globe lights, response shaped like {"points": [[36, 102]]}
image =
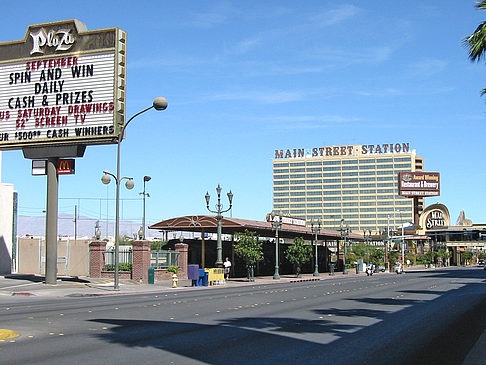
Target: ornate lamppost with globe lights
{"points": [[219, 217], [276, 224], [316, 228]]}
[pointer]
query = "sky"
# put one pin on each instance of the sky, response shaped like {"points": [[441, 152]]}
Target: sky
{"points": [[245, 78]]}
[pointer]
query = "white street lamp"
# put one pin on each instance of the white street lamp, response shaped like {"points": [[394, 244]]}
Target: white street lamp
{"points": [[159, 103]]}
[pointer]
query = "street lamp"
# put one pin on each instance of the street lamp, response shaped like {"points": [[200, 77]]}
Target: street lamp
{"points": [[276, 224], [129, 185], [145, 179], [344, 234], [159, 103], [316, 229], [219, 211], [367, 239]]}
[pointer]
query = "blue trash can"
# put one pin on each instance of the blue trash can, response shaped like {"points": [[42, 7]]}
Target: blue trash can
{"points": [[205, 279], [200, 280]]}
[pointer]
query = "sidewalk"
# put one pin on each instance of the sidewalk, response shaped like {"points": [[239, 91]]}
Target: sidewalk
{"points": [[33, 285]]}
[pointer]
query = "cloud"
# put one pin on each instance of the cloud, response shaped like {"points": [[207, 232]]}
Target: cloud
{"points": [[346, 58], [336, 16], [208, 20], [245, 45], [386, 92], [307, 121], [427, 67], [263, 97]]}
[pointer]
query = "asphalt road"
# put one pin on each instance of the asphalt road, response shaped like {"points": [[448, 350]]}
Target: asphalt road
{"points": [[431, 317]]}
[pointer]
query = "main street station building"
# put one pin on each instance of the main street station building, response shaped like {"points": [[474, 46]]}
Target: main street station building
{"points": [[357, 183]]}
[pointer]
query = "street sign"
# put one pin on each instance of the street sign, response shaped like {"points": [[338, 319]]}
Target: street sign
{"points": [[39, 167], [64, 167]]}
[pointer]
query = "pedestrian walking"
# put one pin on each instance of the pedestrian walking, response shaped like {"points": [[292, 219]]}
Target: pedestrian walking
{"points": [[227, 268]]}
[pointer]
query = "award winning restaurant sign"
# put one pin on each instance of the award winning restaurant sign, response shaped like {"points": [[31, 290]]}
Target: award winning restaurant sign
{"points": [[62, 84], [418, 184]]}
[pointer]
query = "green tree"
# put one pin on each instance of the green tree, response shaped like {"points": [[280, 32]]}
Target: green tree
{"points": [[476, 42], [466, 257], [411, 257], [430, 257], [351, 258], [125, 240], [359, 250], [376, 256], [393, 257], [249, 249], [157, 245], [443, 254], [298, 253]]}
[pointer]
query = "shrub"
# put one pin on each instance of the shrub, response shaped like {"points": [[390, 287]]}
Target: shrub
{"points": [[123, 266], [173, 269]]}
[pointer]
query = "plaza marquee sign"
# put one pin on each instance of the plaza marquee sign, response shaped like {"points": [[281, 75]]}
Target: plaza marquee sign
{"points": [[418, 184], [62, 84], [341, 151]]}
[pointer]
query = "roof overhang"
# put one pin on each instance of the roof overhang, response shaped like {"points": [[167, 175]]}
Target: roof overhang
{"points": [[209, 224]]}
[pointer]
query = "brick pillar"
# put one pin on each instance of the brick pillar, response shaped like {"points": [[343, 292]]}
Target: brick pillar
{"points": [[183, 249], [140, 261], [96, 258]]}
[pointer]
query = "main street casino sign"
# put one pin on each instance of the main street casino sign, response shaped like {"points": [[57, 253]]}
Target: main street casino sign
{"points": [[62, 84]]}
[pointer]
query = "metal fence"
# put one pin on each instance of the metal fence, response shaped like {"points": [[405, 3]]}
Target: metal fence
{"points": [[162, 259], [124, 255]]}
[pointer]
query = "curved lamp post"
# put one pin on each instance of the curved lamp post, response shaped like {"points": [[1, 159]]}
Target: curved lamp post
{"points": [[145, 179], [159, 103], [219, 211], [344, 234], [316, 229], [276, 224]]}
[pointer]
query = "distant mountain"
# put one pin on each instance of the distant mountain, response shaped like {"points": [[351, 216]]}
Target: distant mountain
{"points": [[85, 226]]}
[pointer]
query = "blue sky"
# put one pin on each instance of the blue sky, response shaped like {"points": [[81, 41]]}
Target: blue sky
{"points": [[245, 78]]}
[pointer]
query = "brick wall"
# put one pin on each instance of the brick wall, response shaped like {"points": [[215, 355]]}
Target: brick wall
{"points": [[96, 258]]}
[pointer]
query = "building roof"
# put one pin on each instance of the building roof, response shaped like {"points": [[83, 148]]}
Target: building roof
{"points": [[209, 224]]}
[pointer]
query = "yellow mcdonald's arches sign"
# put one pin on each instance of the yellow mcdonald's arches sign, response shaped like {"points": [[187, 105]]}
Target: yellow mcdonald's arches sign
{"points": [[65, 166]]}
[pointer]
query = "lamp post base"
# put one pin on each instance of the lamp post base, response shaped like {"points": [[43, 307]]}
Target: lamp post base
{"points": [[276, 276], [316, 273]]}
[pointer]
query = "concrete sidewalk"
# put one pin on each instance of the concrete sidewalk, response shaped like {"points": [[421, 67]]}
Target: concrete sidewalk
{"points": [[33, 285]]}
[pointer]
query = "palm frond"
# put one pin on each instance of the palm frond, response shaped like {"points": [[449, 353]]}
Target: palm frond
{"points": [[476, 43]]}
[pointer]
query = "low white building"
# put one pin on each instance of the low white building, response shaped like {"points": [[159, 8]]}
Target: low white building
{"points": [[8, 227]]}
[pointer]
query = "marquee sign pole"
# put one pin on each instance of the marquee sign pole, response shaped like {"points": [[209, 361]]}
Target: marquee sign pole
{"points": [[51, 221]]}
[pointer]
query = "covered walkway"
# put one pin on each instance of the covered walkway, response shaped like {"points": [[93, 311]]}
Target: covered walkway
{"points": [[203, 251]]}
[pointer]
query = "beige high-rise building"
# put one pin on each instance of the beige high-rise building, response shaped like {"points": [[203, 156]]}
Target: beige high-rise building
{"points": [[357, 183]]}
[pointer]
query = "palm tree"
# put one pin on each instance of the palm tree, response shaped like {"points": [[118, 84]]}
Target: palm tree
{"points": [[476, 42]]}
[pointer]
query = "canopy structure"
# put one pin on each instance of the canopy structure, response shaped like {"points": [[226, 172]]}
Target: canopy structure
{"points": [[209, 224]]}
